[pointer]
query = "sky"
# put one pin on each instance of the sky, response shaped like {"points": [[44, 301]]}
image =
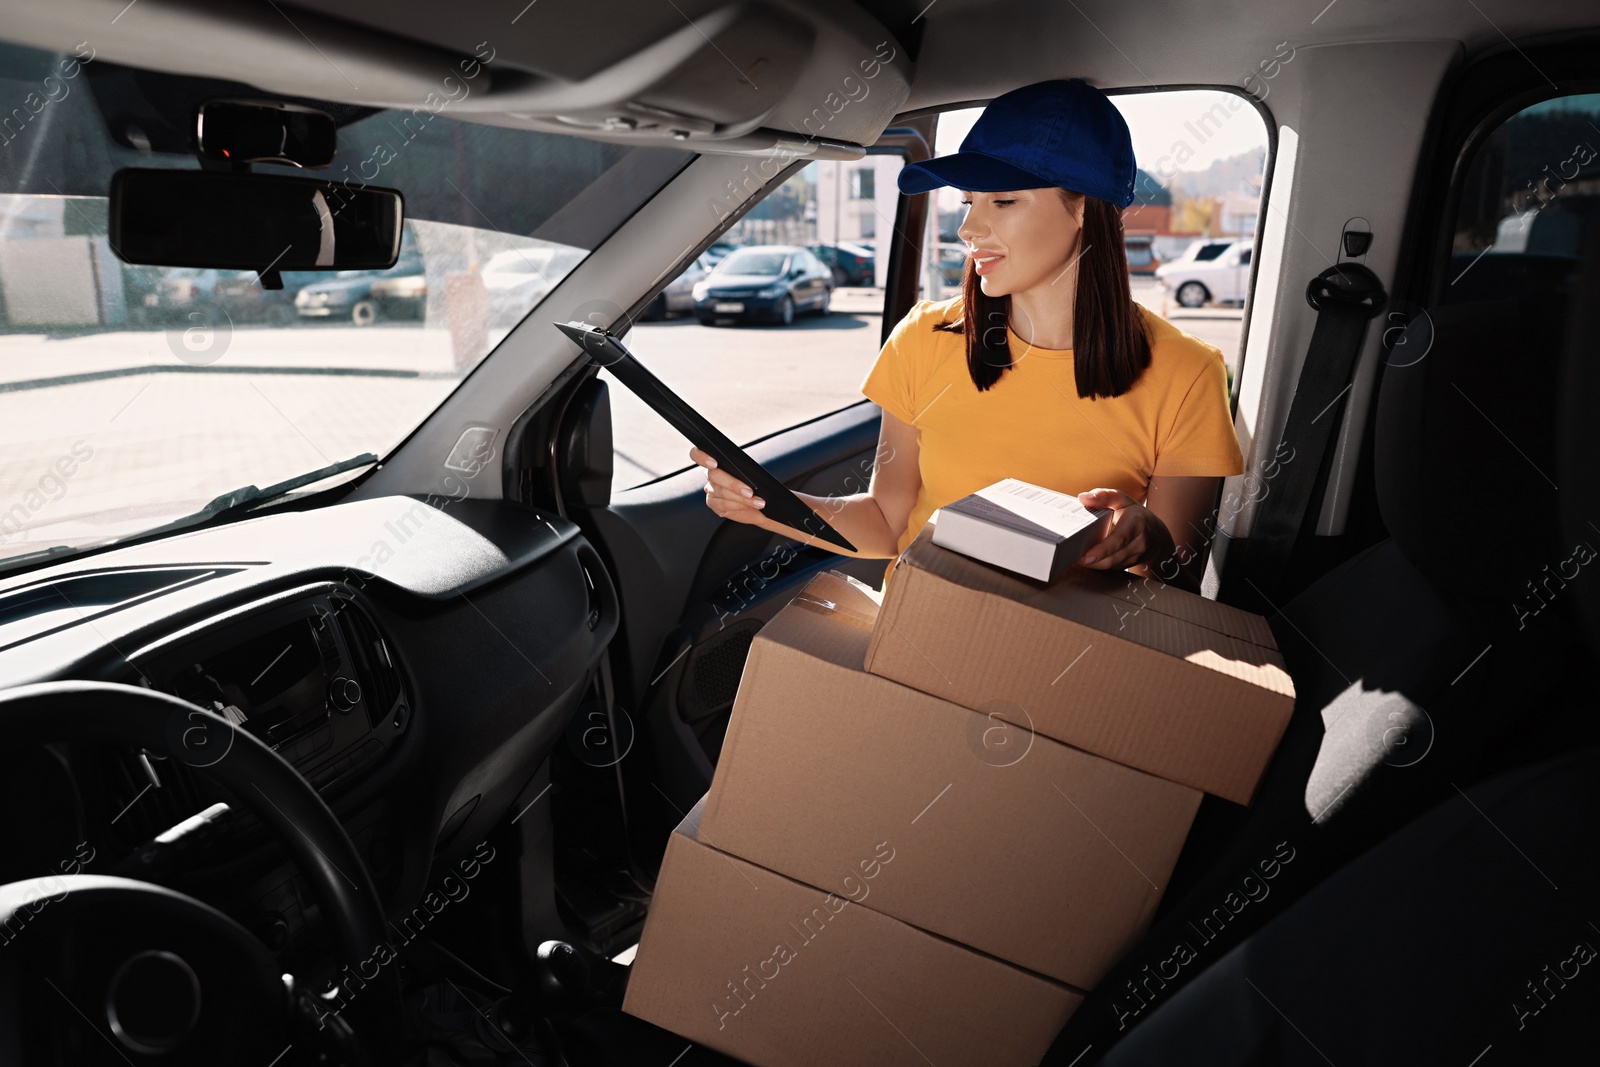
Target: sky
{"points": [[1157, 121]]}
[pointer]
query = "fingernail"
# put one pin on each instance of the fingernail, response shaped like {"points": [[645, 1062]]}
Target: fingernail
{"points": [[760, 503], [1089, 558], [746, 492], [713, 463]]}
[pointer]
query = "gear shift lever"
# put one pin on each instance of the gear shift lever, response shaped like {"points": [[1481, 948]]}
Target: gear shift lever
{"points": [[562, 984]]}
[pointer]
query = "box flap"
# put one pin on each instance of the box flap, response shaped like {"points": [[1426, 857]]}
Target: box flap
{"points": [[816, 629], [690, 825], [838, 594]]}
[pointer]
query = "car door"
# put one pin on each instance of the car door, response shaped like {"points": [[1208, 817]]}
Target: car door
{"points": [[811, 279], [1238, 282], [695, 588]]}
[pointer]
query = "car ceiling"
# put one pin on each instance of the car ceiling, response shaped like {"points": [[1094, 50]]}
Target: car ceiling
{"points": [[564, 56], [976, 49]]}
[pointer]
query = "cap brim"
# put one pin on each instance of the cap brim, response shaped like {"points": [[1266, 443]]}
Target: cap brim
{"points": [[967, 170]]}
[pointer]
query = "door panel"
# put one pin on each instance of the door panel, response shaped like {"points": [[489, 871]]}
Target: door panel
{"points": [[694, 590]]}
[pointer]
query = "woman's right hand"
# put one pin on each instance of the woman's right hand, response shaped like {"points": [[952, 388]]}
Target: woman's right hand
{"points": [[727, 495]]}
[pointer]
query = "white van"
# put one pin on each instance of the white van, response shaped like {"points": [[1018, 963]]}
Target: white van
{"points": [[1224, 278]]}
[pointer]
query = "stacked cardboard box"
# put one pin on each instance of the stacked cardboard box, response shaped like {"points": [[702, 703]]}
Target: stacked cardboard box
{"points": [[930, 827], [1131, 669]]}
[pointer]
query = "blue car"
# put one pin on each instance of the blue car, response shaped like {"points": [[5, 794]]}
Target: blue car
{"points": [[769, 283]]}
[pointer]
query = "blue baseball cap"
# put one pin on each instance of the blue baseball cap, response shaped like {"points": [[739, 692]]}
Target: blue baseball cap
{"points": [[1062, 132]]}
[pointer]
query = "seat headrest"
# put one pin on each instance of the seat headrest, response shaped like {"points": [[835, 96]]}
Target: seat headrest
{"points": [[1465, 440]]}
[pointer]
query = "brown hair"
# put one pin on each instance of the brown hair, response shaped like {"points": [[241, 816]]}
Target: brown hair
{"points": [[1110, 345]]}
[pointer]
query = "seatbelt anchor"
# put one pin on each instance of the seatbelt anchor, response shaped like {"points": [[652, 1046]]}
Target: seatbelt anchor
{"points": [[1348, 285]]}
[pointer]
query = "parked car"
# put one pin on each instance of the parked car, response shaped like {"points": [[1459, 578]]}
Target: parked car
{"points": [[719, 250], [403, 297], [1141, 253], [852, 264], [519, 278], [1203, 249], [179, 291], [139, 285], [766, 282], [679, 293], [241, 295], [1222, 279], [348, 294]]}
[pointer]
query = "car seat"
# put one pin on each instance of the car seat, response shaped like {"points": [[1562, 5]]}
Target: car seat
{"points": [[1421, 664], [1462, 646]]}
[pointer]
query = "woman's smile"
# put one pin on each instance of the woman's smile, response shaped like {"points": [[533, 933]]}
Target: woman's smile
{"points": [[986, 264]]}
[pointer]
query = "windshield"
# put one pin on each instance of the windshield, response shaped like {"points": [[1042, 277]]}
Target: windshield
{"points": [[753, 261], [133, 396]]}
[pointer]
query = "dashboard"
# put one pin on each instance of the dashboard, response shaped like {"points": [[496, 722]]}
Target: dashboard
{"points": [[415, 663]]}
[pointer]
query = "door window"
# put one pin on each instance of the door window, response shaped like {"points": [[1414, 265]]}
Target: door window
{"points": [[1529, 195]]}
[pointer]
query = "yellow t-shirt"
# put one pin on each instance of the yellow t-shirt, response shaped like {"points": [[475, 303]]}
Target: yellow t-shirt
{"points": [[1032, 425]]}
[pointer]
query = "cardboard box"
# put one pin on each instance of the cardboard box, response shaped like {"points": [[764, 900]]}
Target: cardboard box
{"points": [[1014, 844], [780, 974], [1131, 669], [1022, 527]]}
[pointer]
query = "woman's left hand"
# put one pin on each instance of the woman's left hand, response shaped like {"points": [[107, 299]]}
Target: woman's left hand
{"points": [[1136, 536]]}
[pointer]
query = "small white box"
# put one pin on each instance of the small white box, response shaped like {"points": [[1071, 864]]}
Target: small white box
{"points": [[1024, 528]]}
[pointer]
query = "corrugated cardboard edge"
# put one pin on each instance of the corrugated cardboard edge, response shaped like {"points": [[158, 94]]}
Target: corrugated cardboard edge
{"points": [[689, 828], [686, 835], [1163, 599], [833, 593], [1232, 789]]}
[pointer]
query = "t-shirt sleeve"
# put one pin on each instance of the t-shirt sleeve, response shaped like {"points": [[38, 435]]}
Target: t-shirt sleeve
{"points": [[891, 383], [1201, 440]]}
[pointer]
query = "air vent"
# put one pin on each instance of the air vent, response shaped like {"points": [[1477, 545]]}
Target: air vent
{"points": [[376, 671]]}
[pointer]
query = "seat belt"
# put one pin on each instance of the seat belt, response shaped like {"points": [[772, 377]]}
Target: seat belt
{"points": [[1345, 295]]}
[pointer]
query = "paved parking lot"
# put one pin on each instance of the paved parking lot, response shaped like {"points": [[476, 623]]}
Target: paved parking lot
{"points": [[104, 433]]}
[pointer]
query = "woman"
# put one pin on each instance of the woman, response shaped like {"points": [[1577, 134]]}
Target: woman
{"points": [[1044, 368]]}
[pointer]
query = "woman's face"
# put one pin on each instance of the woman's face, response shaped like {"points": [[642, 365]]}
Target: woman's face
{"points": [[1033, 231]]}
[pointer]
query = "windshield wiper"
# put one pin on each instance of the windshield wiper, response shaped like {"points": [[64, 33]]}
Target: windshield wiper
{"points": [[13, 562], [231, 503], [239, 499]]}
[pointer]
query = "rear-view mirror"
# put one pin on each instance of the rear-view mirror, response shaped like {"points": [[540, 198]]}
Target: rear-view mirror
{"points": [[197, 218]]}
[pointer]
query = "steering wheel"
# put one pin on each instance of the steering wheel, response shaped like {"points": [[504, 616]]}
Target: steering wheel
{"points": [[159, 976]]}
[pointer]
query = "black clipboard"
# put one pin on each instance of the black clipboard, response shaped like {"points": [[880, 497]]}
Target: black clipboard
{"points": [[781, 504]]}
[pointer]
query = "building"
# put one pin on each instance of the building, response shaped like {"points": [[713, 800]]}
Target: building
{"points": [[856, 201], [1235, 215]]}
